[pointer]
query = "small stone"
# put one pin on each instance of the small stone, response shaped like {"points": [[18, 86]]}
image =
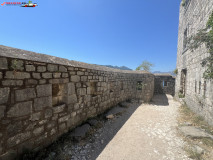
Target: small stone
{"points": [[36, 75], [18, 139], [1, 75], [62, 69], [31, 82], [30, 68], [38, 131], [48, 113], [35, 116], [52, 67], [47, 75], [59, 109], [56, 75], [110, 116], [41, 68]]}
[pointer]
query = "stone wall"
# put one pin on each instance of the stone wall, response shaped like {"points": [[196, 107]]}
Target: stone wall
{"points": [[42, 97], [164, 84], [189, 82]]}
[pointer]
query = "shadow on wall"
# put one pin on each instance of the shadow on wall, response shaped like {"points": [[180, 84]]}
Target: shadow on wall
{"points": [[160, 99]]}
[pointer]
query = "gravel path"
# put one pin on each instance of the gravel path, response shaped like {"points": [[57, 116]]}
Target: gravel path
{"points": [[141, 132], [149, 134]]}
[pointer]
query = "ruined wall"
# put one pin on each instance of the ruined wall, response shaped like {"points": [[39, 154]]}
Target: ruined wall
{"points": [[198, 91], [164, 84], [42, 97]]}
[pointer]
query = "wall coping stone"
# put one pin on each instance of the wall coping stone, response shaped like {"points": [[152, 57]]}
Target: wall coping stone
{"points": [[33, 56]]}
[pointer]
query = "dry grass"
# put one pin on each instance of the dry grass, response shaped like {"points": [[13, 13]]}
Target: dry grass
{"points": [[187, 116]]}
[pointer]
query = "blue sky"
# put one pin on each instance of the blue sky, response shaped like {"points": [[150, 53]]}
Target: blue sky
{"points": [[111, 32]]}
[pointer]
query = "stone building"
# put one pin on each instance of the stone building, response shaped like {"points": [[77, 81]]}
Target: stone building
{"points": [[190, 84], [42, 97], [164, 84]]}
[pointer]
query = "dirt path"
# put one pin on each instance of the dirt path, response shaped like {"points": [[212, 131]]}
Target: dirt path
{"points": [[149, 134]]}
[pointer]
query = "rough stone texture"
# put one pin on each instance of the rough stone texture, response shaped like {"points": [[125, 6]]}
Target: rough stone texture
{"points": [[3, 63], [43, 101], [2, 109], [30, 68], [25, 94], [44, 90], [20, 109], [40, 103], [80, 132], [12, 83], [164, 84], [194, 17], [4, 95], [17, 75]]}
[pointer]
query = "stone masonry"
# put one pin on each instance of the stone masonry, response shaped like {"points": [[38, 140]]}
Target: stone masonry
{"points": [[164, 84], [42, 97], [190, 84]]}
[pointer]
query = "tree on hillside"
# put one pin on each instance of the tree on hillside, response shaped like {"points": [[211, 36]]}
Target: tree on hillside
{"points": [[145, 65]]}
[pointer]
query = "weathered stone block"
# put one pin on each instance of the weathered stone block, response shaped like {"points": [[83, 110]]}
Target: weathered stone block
{"points": [[4, 95], [17, 64], [47, 75], [65, 75], [56, 75], [71, 99], [81, 91], [62, 127], [35, 116], [52, 67], [30, 68], [75, 78], [48, 113], [38, 131], [70, 88], [14, 128], [51, 124], [20, 109], [80, 73], [83, 78], [44, 90], [40, 103], [12, 82], [1, 75], [18, 139], [41, 68], [31, 82], [2, 109], [63, 119], [62, 69], [25, 94], [59, 109], [17, 75], [36, 75], [61, 80], [3, 63], [42, 81]]}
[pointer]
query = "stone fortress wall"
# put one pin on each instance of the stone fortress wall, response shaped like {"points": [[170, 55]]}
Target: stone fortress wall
{"points": [[189, 81], [42, 97], [164, 84]]}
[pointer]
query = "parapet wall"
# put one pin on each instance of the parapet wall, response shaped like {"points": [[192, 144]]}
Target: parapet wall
{"points": [[42, 97]]}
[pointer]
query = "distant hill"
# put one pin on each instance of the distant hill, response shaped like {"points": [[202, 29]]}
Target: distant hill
{"points": [[117, 67], [170, 72]]}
